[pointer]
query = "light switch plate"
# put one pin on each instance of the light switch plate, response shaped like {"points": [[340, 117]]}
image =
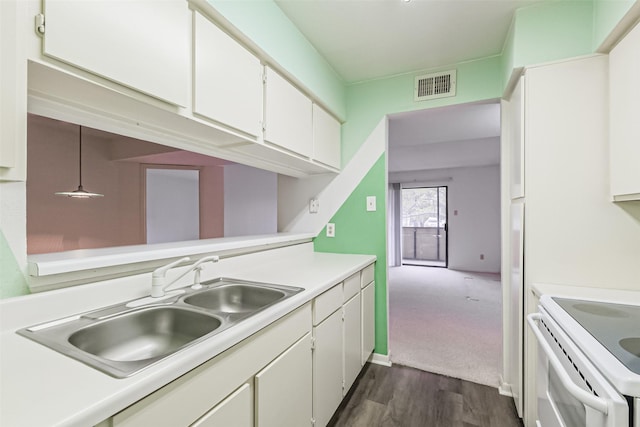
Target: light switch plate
{"points": [[371, 203], [331, 230]]}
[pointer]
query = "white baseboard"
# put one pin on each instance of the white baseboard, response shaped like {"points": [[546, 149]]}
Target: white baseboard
{"points": [[505, 388], [380, 359]]}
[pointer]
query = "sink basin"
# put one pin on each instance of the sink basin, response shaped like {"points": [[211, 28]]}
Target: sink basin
{"points": [[143, 334], [121, 340], [235, 298]]}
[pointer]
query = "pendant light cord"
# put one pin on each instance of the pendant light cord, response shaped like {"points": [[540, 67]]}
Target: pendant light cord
{"points": [[80, 158]]}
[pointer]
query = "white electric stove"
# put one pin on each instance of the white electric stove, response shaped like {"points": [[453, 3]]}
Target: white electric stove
{"points": [[588, 363]]}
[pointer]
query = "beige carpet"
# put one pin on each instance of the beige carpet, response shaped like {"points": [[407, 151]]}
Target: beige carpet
{"points": [[447, 322]]}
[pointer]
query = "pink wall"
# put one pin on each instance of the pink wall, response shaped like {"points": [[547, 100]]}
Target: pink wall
{"points": [[211, 202], [57, 223]]}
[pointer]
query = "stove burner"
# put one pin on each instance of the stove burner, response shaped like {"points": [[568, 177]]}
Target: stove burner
{"points": [[600, 310], [632, 345], [615, 326]]}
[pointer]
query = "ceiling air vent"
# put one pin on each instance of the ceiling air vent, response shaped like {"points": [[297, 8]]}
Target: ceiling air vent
{"points": [[438, 85]]}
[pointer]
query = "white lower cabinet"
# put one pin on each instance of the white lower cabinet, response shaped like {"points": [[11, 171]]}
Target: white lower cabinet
{"points": [[235, 411], [338, 342], [277, 360], [283, 388], [293, 373], [351, 339], [327, 368], [368, 299]]}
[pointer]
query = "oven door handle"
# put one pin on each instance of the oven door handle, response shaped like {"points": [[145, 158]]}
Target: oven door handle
{"points": [[583, 396]]}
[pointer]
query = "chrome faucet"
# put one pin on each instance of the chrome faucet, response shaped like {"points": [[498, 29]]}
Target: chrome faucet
{"points": [[158, 277]]}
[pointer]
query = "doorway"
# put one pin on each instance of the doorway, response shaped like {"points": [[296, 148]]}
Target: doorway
{"points": [[444, 173], [424, 226], [172, 204]]}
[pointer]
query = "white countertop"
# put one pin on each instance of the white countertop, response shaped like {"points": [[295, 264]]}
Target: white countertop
{"points": [[40, 387], [90, 259]]}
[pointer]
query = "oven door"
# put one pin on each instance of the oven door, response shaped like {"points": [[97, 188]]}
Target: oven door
{"points": [[571, 391]]}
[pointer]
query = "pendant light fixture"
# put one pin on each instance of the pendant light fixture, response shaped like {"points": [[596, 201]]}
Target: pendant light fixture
{"points": [[80, 192]]}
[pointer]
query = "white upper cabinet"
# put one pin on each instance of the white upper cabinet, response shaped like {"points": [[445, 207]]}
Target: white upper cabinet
{"points": [[142, 44], [13, 87], [288, 115], [326, 138], [228, 79], [624, 126]]}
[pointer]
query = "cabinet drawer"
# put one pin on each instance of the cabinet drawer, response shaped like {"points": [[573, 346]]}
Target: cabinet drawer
{"points": [[351, 286], [367, 275], [326, 304]]}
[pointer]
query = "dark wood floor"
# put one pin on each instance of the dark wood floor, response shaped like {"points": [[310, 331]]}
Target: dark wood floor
{"points": [[407, 397]]}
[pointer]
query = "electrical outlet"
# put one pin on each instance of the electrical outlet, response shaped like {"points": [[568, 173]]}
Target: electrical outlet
{"points": [[331, 230], [314, 205], [371, 203]]}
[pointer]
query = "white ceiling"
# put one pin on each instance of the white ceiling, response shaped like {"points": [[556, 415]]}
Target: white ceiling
{"points": [[367, 39], [455, 123], [449, 137]]}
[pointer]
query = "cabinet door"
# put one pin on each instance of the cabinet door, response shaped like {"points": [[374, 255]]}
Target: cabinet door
{"points": [[287, 115], [283, 388], [140, 44], [624, 127], [351, 339], [228, 79], [235, 411], [368, 321], [327, 368], [326, 138], [516, 139], [13, 87]]}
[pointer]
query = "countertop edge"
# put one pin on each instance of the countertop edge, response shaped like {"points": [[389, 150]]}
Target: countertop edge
{"points": [[116, 398]]}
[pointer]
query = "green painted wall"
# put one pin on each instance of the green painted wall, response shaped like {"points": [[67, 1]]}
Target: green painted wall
{"points": [[606, 15], [548, 32], [543, 33], [362, 232], [359, 231], [267, 25], [12, 282]]}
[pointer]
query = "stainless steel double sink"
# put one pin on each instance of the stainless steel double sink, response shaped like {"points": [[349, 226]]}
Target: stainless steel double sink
{"points": [[121, 341]]}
